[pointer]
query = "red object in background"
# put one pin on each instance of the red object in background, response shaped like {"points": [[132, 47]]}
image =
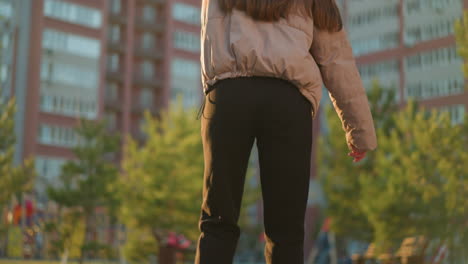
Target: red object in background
{"points": [[17, 214], [261, 237], [178, 241], [172, 239], [29, 208], [326, 225], [183, 243]]}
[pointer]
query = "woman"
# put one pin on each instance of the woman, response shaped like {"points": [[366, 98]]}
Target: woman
{"points": [[263, 66]]}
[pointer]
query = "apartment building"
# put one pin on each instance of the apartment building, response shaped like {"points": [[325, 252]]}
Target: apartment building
{"points": [[409, 45], [56, 56], [97, 59], [8, 26], [153, 56]]}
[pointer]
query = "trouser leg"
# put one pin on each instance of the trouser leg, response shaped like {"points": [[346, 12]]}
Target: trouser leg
{"points": [[284, 145], [227, 141]]}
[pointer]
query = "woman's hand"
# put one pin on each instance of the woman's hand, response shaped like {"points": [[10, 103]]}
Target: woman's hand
{"points": [[357, 154]]}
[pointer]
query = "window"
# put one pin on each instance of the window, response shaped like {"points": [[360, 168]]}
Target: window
{"points": [[68, 105], [69, 85], [110, 120], [113, 63], [438, 5], [434, 30], [149, 14], [373, 70], [49, 167], [70, 43], [186, 13], [457, 113], [413, 6], [373, 15], [187, 41], [185, 76], [6, 9], [3, 72], [6, 38], [147, 69], [112, 91], [148, 41], [73, 13], [437, 57], [115, 6], [114, 34], [437, 88], [57, 135], [185, 68], [146, 97], [382, 42], [69, 74]]}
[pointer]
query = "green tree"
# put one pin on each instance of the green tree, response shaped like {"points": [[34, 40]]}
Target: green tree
{"points": [[341, 177], [14, 180], [419, 181], [412, 185], [66, 233], [160, 189], [85, 181]]}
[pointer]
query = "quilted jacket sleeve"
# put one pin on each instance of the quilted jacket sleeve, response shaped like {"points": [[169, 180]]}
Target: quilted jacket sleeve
{"points": [[333, 54]]}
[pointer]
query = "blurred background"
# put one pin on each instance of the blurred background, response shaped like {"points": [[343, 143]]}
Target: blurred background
{"points": [[101, 160]]}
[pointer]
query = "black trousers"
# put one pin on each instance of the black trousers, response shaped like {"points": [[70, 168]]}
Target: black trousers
{"points": [[237, 111]]}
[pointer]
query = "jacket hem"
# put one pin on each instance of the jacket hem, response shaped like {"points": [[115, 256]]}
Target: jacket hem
{"points": [[227, 75]]}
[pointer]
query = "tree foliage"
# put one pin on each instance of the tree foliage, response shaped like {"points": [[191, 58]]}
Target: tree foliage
{"points": [[160, 188], [14, 180], [413, 185], [420, 179], [161, 183], [340, 176], [85, 181], [66, 234]]}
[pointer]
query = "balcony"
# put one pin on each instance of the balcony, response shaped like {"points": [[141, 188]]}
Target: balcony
{"points": [[115, 46], [148, 52], [147, 81], [113, 103], [117, 18], [150, 25], [114, 75], [141, 107], [152, 2]]}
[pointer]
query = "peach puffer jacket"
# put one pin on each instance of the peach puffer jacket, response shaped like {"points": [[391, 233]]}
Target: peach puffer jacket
{"points": [[235, 45]]}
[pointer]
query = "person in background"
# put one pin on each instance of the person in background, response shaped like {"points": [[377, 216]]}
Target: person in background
{"points": [[264, 63]]}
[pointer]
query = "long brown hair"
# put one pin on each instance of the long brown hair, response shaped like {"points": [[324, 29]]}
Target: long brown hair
{"points": [[325, 13]]}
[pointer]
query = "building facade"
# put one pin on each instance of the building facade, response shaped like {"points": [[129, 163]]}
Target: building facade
{"points": [[153, 56], [409, 45], [60, 55], [94, 59], [8, 28]]}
